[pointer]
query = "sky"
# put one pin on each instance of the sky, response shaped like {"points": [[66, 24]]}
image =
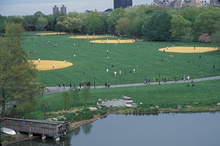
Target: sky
{"points": [[29, 7]]}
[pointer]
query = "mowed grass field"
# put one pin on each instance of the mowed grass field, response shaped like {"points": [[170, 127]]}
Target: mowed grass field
{"points": [[202, 95], [92, 60]]}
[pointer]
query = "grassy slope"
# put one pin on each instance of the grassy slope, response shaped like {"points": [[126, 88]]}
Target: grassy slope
{"points": [[204, 93], [91, 61]]}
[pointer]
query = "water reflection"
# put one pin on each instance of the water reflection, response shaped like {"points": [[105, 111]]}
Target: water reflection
{"points": [[76, 131], [197, 129], [87, 128]]}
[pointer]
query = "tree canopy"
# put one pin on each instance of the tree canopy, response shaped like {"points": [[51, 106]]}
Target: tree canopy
{"points": [[149, 22], [18, 83], [157, 27]]}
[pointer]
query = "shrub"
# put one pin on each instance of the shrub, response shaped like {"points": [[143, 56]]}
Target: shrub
{"points": [[205, 37]]}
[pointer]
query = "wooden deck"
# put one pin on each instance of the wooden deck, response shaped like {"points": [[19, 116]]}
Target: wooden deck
{"points": [[55, 129]]}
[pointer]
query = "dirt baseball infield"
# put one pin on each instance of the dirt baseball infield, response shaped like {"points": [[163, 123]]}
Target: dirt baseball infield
{"points": [[50, 33], [180, 49], [51, 64], [113, 41], [89, 37]]}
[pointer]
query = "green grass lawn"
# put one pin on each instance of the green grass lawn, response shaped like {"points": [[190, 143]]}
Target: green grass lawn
{"points": [[170, 95], [91, 61]]}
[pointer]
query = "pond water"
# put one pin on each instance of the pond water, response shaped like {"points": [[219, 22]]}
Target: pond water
{"points": [[194, 129]]}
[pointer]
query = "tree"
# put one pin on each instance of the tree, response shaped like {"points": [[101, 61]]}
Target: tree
{"points": [[216, 35], [85, 94], [17, 76], [137, 15], [114, 16], [157, 27], [41, 23], [205, 21], [66, 99], [15, 19], [95, 25], [123, 26], [87, 128], [2, 24], [39, 14], [60, 23], [179, 26], [190, 13], [74, 93], [136, 26], [30, 22], [72, 24], [53, 19]]}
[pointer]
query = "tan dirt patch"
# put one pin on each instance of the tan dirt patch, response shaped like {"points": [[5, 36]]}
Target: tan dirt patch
{"points": [[50, 64], [113, 41], [50, 33], [89, 37], [188, 49]]}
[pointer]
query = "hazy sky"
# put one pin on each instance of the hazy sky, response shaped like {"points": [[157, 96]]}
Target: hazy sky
{"points": [[29, 7]]}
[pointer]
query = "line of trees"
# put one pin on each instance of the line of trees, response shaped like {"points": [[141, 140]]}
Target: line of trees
{"points": [[157, 23]]}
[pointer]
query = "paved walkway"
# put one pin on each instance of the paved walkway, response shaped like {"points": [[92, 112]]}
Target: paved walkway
{"points": [[51, 90]]}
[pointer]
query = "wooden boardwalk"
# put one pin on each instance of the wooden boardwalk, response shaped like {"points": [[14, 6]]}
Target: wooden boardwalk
{"points": [[55, 129]]}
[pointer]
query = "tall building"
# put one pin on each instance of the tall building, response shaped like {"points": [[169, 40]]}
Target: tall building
{"points": [[55, 9], [122, 3], [63, 9]]}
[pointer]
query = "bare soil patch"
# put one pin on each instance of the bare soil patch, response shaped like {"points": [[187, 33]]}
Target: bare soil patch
{"points": [[50, 33], [188, 49], [90, 37], [51, 64], [113, 41]]}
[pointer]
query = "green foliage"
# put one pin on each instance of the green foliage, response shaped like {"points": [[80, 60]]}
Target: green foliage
{"points": [[72, 24], [136, 27], [95, 26], [66, 99], [157, 27], [6, 138], [74, 93], [180, 27], [2, 24], [114, 16], [123, 26], [41, 23], [216, 34], [18, 82], [93, 23], [205, 21], [202, 20], [189, 13], [85, 94], [37, 115]]}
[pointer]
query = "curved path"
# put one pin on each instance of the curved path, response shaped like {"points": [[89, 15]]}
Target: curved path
{"points": [[51, 90]]}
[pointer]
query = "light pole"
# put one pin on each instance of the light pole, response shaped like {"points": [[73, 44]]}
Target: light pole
{"points": [[159, 78]]}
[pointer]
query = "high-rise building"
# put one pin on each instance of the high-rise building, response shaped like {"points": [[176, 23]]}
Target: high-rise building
{"points": [[63, 9], [122, 3], [55, 9]]}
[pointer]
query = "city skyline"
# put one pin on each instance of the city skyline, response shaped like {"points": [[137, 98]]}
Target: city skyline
{"points": [[26, 7], [122, 3]]}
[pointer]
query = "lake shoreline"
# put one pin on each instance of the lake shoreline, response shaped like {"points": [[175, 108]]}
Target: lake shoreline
{"points": [[75, 125]]}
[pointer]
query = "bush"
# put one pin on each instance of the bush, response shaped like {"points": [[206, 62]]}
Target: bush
{"points": [[205, 37]]}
